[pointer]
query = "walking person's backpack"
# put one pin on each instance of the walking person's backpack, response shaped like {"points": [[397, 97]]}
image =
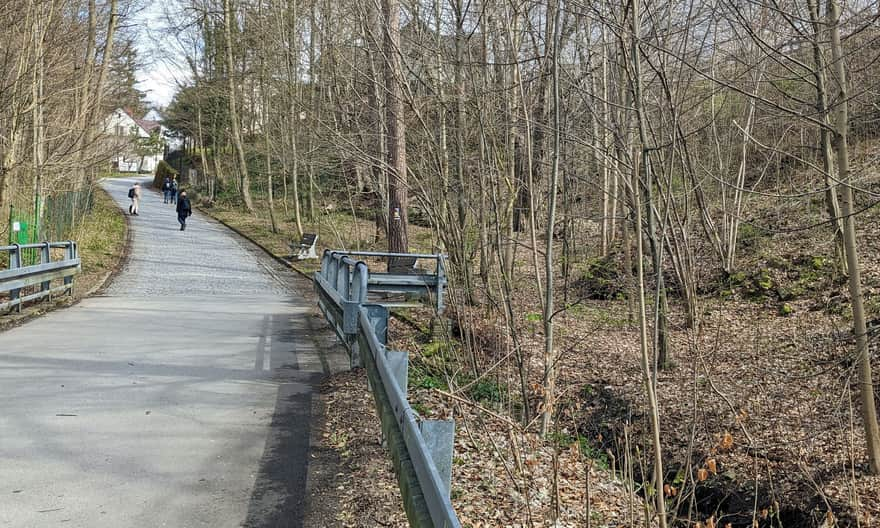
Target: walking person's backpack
{"points": [[131, 193]]}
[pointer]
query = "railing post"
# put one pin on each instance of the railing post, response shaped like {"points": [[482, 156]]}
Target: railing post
{"points": [[15, 263], [45, 258]]}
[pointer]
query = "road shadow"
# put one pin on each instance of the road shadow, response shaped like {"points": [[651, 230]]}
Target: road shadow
{"points": [[283, 495], [278, 499]]}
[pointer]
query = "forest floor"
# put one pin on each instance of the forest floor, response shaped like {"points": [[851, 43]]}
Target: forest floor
{"points": [[759, 410], [502, 473], [101, 242]]}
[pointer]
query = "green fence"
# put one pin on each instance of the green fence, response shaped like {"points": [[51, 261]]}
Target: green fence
{"points": [[61, 212]]}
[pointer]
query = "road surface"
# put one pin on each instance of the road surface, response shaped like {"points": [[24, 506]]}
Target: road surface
{"points": [[180, 397]]}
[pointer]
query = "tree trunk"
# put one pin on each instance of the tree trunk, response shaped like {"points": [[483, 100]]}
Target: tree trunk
{"points": [[233, 110], [869, 409], [831, 203], [647, 374], [398, 241], [549, 351], [660, 330]]}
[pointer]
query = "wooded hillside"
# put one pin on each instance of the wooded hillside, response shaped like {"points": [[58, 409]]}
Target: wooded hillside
{"points": [[660, 218]]}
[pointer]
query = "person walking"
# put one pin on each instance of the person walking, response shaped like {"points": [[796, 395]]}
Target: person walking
{"points": [[173, 190], [166, 189], [135, 194], [184, 210]]}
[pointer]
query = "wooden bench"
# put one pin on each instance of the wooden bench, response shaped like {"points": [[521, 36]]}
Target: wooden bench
{"points": [[305, 249], [402, 265]]}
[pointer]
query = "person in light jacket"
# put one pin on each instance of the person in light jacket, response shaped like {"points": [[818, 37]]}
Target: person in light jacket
{"points": [[135, 194], [184, 209]]}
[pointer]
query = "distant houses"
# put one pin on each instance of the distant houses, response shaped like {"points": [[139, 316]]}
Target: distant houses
{"points": [[135, 144]]}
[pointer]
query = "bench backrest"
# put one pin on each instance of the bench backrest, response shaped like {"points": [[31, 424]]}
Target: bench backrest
{"points": [[401, 264], [308, 239]]}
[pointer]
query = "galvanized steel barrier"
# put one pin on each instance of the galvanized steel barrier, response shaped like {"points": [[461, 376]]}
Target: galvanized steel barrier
{"points": [[424, 284], [421, 449], [22, 274]]}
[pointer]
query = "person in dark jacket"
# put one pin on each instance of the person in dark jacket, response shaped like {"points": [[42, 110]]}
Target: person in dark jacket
{"points": [[173, 189], [184, 209], [166, 189]]}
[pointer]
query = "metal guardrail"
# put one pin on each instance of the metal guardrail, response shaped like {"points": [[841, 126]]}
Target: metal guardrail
{"points": [[21, 275], [425, 284], [421, 449]]}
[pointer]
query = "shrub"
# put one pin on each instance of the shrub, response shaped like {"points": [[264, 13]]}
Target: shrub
{"points": [[601, 279], [163, 170]]}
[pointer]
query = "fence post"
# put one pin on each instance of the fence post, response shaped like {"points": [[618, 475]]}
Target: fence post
{"points": [[15, 263]]}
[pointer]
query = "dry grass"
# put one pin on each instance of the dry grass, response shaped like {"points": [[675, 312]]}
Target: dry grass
{"points": [[100, 238]]}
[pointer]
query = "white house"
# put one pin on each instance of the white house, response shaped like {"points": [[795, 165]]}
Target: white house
{"points": [[136, 144]]}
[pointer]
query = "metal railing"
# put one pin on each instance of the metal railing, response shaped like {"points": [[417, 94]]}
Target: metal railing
{"points": [[421, 449], [425, 284], [22, 274]]}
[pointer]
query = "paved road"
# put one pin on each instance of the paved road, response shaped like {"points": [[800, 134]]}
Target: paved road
{"points": [[180, 398]]}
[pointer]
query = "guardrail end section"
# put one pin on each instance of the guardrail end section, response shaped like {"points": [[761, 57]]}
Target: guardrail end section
{"points": [[439, 437]]}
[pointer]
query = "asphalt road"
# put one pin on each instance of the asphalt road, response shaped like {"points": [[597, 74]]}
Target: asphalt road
{"points": [[181, 397]]}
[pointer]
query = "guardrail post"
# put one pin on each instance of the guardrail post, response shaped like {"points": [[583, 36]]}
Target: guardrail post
{"points": [[332, 270], [441, 284], [398, 362], [378, 316], [439, 436], [354, 354], [70, 253], [45, 258], [15, 263], [325, 263]]}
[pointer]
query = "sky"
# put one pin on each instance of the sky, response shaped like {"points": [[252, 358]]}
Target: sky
{"points": [[156, 77]]}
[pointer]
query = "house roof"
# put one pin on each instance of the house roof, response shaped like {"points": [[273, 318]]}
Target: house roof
{"points": [[146, 124]]}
